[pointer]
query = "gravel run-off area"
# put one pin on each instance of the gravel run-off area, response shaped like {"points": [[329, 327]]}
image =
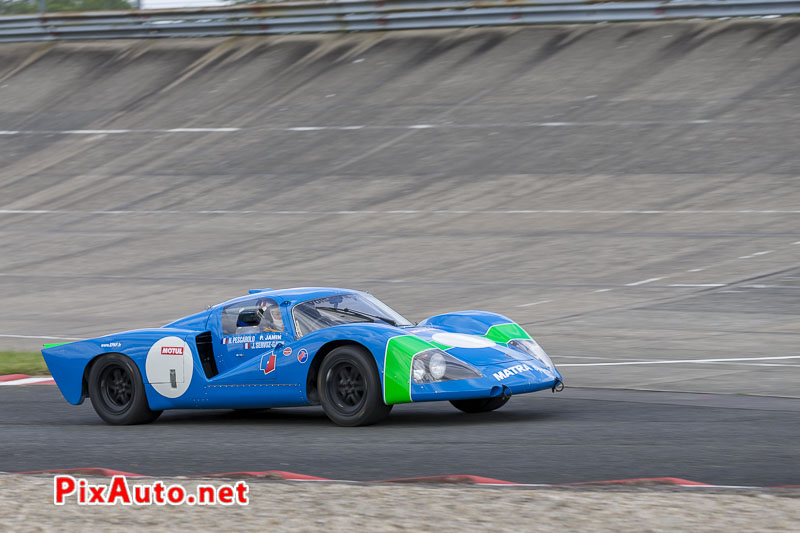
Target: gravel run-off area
{"points": [[26, 504]]}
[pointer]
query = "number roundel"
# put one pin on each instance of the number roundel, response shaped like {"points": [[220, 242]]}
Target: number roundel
{"points": [[169, 366]]}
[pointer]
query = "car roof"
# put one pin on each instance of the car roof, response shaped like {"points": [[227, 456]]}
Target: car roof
{"points": [[293, 295]]}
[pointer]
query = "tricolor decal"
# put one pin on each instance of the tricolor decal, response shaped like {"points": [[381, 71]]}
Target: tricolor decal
{"points": [[268, 363]]}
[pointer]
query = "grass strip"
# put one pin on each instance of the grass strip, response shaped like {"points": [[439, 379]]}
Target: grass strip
{"points": [[30, 363]]}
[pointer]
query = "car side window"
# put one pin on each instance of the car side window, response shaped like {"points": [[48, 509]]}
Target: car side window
{"points": [[257, 315]]}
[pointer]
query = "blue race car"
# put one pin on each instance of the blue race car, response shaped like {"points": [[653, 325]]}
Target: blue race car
{"points": [[343, 349]]}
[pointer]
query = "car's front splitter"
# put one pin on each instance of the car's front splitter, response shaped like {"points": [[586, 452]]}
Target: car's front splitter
{"points": [[496, 381]]}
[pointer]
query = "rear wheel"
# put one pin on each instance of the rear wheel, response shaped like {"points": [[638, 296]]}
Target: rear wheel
{"points": [[350, 389], [117, 391], [480, 405]]}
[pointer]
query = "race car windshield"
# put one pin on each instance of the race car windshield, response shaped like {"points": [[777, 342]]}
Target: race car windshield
{"points": [[343, 309]]}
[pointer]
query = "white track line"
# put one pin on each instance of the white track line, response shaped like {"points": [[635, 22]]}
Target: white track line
{"points": [[769, 286], [397, 212], [352, 127], [756, 254], [757, 364], [93, 132], [635, 283], [202, 130], [685, 361], [552, 356], [121, 131], [699, 285], [24, 381], [535, 303], [40, 337]]}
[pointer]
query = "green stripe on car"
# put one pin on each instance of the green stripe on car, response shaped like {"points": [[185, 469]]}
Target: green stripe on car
{"points": [[506, 332], [400, 351], [397, 367], [53, 345]]}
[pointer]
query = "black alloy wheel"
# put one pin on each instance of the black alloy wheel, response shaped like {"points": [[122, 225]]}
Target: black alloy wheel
{"points": [[116, 388], [346, 385], [117, 391], [350, 389]]}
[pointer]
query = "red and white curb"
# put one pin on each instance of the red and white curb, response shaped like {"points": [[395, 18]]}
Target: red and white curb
{"points": [[24, 379], [280, 475]]}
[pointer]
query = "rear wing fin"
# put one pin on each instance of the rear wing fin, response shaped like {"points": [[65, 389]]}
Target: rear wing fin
{"points": [[54, 344]]}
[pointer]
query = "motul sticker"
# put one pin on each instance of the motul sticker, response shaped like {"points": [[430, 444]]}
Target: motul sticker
{"points": [[171, 350]]}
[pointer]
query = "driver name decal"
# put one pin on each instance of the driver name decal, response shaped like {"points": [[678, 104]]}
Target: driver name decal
{"points": [[266, 341], [238, 339]]}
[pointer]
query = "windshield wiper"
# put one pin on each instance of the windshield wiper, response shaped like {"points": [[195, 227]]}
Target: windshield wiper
{"points": [[361, 314]]}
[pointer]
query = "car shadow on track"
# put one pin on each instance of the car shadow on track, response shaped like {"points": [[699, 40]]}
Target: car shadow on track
{"points": [[407, 416]]}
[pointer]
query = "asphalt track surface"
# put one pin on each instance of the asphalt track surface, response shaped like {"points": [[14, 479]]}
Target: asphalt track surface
{"points": [[627, 192], [577, 435]]}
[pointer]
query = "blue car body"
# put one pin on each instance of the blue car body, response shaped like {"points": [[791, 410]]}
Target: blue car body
{"points": [[193, 363]]}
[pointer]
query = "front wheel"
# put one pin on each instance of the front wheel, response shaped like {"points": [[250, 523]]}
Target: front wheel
{"points": [[350, 389], [117, 391], [480, 405]]}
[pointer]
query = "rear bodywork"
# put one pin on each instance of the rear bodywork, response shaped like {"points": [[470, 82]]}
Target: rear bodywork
{"points": [[190, 363]]}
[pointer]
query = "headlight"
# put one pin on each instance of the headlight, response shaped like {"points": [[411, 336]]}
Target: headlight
{"points": [[530, 347], [436, 365], [418, 370]]}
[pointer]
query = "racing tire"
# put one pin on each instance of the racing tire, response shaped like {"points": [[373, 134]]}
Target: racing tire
{"points": [[117, 392], [480, 405], [350, 389]]}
